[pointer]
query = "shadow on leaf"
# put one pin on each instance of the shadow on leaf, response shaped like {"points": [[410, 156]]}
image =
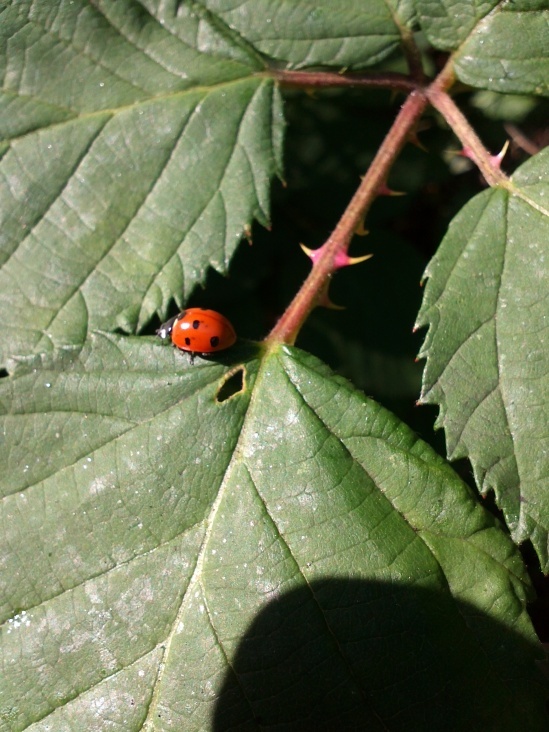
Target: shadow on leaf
{"points": [[355, 655]]}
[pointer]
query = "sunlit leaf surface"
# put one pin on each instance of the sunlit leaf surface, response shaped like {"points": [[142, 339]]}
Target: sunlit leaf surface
{"points": [[194, 557], [486, 304]]}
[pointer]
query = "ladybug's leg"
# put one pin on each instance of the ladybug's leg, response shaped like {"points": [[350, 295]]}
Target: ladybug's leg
{"points": [[166, 328]]}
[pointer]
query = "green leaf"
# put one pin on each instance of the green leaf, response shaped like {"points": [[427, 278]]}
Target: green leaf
{"points": [[119, 191], [508, 50], [486, 349], [140, 142], [447, 23], [310, 33], [173, 557], [76, 58]]}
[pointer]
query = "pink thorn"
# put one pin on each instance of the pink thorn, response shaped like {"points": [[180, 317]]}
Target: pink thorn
{"points": [[341, 259], [467, 153], [313, 254], [384, 190], [496, 160]]}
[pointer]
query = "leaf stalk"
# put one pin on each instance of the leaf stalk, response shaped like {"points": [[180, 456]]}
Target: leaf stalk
{"points": [[486, 163], [331, 79], [325, 264], [333, 253]]}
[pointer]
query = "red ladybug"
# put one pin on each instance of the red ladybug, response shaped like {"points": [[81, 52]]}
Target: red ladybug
{"points": [[197, 330]]}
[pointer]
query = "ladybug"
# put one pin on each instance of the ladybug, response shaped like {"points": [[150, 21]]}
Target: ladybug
{"points": [[197, 330]]}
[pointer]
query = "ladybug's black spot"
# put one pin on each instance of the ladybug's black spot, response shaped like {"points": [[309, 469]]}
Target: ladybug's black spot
{"points": [[214, 341], [187, 341], [196, 324]]}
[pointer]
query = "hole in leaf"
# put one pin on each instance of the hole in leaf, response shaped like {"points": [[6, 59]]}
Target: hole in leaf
{"points": [[233, 384]]}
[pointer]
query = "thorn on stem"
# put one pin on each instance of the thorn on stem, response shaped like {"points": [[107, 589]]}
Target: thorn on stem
{"points": [[360, 230], [347, 261], [313, 254], [384, 190], [495, 160], [341, 259], [414, 140], [324, 300]]}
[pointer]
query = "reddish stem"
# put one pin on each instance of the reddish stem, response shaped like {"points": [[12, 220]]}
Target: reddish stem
{"points": [[329, 79], [287, 328], [325, 262], [466, 135]]}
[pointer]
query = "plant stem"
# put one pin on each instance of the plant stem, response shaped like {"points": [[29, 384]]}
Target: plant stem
{"points": [[329, 79], [413, 56], [314, 289], [444, 103], [287, 328]]}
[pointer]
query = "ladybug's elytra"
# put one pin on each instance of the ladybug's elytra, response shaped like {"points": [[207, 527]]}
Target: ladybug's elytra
{"points": [[197, 330]]}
